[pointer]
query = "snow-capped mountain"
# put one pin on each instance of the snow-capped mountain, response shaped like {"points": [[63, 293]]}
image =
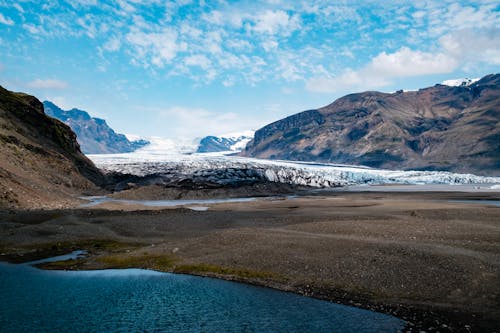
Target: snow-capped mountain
{"points": [[232, 142], [459, 82]]}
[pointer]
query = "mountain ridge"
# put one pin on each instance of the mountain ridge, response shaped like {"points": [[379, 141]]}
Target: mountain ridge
{"points": [[41, 163], [450, 128], [94, 134]]}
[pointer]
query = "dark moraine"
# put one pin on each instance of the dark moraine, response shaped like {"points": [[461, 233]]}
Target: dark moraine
{"points": [[134, 300]]}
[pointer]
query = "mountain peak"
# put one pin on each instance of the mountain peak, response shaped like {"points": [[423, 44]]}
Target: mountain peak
{"points": [[442, 127], [93, 134]]}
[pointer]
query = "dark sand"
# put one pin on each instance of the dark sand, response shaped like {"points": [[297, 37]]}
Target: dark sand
{"points": [[415, 255]]}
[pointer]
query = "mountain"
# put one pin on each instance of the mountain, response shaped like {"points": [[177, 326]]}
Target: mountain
{"points": [[232, 142], [451, 128], [93, 134], [40, 159], [459, 82]]}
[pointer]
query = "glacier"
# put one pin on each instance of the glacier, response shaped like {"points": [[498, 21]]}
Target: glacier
{"points": [[222, 169]]}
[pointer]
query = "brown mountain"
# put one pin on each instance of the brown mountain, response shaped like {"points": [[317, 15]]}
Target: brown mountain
{"points": [[437, 128], [40, 159]]}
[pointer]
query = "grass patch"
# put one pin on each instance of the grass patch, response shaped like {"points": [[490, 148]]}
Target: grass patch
{"points": [[65, 264], [19, 254], [218, 270], [89, 245], [146, 261]]}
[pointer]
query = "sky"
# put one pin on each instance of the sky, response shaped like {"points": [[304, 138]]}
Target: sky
{"points": [[190, 68]]}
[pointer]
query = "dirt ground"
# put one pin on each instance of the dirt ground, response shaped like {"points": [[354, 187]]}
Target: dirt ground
{"points": [[432, 262]]}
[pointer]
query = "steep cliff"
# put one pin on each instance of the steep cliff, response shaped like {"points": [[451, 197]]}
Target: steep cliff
{"points": [[40, 160]]}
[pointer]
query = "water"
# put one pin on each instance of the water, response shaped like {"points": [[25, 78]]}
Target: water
{"points": [[71, 256], [133, 300], [478, 202], [94, 201]]}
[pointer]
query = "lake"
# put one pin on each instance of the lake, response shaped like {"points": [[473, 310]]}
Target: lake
{"points": [[141, 300]]}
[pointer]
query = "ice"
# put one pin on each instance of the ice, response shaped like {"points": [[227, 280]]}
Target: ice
{"points": [[143, 163]]}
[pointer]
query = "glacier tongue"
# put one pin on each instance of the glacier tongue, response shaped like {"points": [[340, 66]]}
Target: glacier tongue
{"points": [[222, 169]]}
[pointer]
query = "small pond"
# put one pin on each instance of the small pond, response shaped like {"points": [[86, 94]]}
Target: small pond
{"points": [[135, 300]]}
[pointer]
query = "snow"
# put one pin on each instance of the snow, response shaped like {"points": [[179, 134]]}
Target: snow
{"points": [[164, 147], [459, 82], [241, 144], [144, 162], [241, 138], [236, 135], [133, 137]]}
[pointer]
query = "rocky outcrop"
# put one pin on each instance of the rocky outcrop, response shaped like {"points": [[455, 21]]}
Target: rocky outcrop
{"points": [[93, 134], [438, 128], [40, 160]]}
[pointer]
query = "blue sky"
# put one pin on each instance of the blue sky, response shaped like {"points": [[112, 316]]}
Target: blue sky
{"points": [[191, 68]]}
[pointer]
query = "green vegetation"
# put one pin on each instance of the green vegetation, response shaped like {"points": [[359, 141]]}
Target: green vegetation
{"points": [[91, 245], [155, 262], [65, 264], [218, 270]]}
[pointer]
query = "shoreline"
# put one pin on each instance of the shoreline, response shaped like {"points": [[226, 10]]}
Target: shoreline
{"points": [[287, 245], [416, 318]]}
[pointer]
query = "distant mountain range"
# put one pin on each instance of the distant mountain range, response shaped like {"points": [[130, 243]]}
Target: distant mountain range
{"points": [[451, 127], [232, 142], [93, 134]]}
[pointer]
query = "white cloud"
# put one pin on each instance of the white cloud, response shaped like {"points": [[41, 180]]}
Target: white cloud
{"points": [[18, 7], [88, 25], [269, 45], [113, 44], [48, 84], [319, 41], [473, 46], [273, 22], [190, 31], [348, 80], [6, 20], [32, 28], [239, 44], [228, 82], [191, 122], [199, 60], [463, 49], [406, 62], [125, 6], [215, 17], [84, 2], [159, 48]]}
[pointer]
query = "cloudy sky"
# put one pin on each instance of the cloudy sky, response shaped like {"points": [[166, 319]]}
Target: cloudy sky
{"points": [[196, 67]]}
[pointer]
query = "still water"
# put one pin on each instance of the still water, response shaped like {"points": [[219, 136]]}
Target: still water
{"points": [[133, 300]]}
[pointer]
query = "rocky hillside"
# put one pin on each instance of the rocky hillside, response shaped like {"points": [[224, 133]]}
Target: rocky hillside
{"points": [[437, 128], [40, 160], [93, 134]]}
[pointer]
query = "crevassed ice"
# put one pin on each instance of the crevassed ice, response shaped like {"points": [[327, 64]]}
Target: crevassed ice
{"points": [[290, 172]]}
